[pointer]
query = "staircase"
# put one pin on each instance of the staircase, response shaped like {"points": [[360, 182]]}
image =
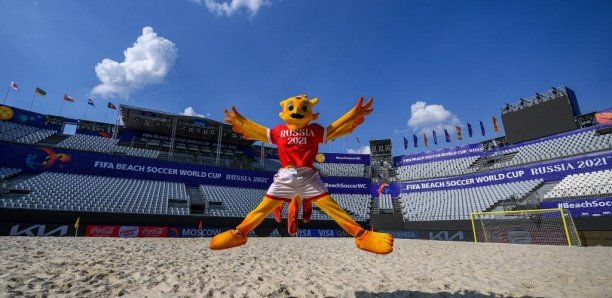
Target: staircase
{"points": [[488, 161], [53, 140]]}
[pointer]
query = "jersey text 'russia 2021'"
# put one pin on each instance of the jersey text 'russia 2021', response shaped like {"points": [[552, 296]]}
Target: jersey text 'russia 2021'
{"points": [[297, 147]]}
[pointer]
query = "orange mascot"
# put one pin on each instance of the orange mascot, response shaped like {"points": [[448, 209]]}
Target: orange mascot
{"points": [[297, 180]]}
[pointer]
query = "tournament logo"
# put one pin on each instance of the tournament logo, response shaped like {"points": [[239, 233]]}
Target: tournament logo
{"points": [[46, 158], [320, 158], [6, 113], [384, 188]]}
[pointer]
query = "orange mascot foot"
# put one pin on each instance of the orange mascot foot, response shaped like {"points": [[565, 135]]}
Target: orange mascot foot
{"points": [[380, 243], [227, 239]]}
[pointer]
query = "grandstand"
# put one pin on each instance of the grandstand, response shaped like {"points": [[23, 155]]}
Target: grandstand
{"points": [[163, 164]]}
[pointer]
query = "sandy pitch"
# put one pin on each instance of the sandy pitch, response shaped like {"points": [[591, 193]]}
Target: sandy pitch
{"points": [[298, 267]]}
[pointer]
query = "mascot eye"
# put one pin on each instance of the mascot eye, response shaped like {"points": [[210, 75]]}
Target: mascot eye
{"points": [[305, 108], [290, 107]]}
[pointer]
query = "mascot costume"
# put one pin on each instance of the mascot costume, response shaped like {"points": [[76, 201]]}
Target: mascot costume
{"points": [[297, 181]]}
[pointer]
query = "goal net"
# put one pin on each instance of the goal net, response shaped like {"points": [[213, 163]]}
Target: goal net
{"points": [[539, 226]]}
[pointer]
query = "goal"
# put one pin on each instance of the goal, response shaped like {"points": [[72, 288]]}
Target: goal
{"points": [[539, 226]]}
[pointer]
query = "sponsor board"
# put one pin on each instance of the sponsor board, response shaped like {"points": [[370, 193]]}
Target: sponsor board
{"points": [[125, 231], [35, 159], [447, 235], [582, 207], [402, 234], [102, 231], [547, 171], [38, 230], [128, 231]]}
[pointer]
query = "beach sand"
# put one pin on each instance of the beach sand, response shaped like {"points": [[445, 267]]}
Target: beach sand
{"points": [[297, 267]]}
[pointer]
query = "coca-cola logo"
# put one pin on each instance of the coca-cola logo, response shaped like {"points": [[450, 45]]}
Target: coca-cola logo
{"points": [[153, 232], [102, 231], [128, 231]]}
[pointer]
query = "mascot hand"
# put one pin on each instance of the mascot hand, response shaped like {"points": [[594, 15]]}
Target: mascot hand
{"points": [[228, 239], [380, 243], [351, 119], [235, 119], [358, 112]]}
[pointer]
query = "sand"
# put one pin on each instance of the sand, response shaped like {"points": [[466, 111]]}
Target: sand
{"points": [[297, 267]]}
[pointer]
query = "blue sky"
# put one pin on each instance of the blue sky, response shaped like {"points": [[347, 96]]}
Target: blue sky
{"points": [[462, 59]]}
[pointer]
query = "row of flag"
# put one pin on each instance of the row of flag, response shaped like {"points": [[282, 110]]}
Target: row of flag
{"points": [[447, 136], [40, 92]]}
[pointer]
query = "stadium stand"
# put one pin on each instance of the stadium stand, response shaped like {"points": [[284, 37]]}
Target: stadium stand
{"points": [[341, 170], [74, 192], [21, 133], [594, 184], [576, 143], [443, 168], [88, 143], [457, 204], [581, 141], [8, 172]]}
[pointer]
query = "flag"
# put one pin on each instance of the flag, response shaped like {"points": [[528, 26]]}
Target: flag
{"points": [[14, 86], [111, 106], [40, 92], [90, 102], [405, 143], [604, 118], [446, 136], [76, 224], [458, 131], [482, 130], [495, 125], [356, 138], [435, 137], [415, 140], [424, 139], [68, 98], [470, 131]]}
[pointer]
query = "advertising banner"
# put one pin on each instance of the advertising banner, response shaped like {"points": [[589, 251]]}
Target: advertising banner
{"points": [[32, 229], [582, 207], [343, 158], [548, 171], [440, 154], [376, 189], [125, 231], [34, 159]]}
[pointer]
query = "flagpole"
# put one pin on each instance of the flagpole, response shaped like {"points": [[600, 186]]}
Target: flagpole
{"points": [[61, 107], [6, 95], [32, 102]]}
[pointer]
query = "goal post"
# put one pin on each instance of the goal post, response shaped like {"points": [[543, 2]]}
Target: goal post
{"points": [[538, 226]]}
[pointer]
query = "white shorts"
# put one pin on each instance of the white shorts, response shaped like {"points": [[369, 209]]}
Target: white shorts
{"points": [[290, 182]]}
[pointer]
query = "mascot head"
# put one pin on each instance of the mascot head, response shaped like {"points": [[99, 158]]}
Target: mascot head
{"points": [[297, 111]]}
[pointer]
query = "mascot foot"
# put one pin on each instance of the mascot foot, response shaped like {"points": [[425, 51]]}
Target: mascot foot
{"points": [[228, 239], [380, 243]]}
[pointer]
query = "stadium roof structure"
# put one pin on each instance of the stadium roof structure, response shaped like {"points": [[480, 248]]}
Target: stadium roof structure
{"points": [[190, 127]]}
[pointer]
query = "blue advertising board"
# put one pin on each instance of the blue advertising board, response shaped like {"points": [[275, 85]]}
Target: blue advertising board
{"points": [[34, 159], [440, 154], [190, 232], [548, 171], [582, 207], [343, 158]]}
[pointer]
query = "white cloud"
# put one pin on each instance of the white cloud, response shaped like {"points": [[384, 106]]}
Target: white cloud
{"points": [[360, 150], [431, 117], [147, 62], [189, 111], [229, 8]]}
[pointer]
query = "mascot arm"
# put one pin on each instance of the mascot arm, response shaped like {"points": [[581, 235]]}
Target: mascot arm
{"points": [[351, 119], [249, 129]]}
